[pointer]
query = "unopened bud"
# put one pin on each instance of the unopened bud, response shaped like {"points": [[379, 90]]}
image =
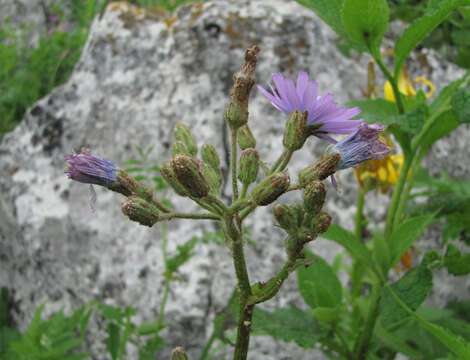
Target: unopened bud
{"points": [[179, 353], [249, 165], [286, 217], [245, 138], [314, 197], [214, 179], [210, 156], [183, 134], [322, 222], [178, 148], [296, 131], [125, 184], [141, 211], [236, 115], [269, 189], [325, 167], [188, 171], [166, 170]]}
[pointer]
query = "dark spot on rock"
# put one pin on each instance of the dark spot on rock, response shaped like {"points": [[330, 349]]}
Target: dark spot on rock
{"points": [[143, 272], [213, 30], [93, 276], [37, 110], [56, 187], [65, 194], [52, 135]]}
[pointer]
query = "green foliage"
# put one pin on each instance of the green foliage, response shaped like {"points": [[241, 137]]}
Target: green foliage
{"points": [[318, 284], [288, 324], [412, 289], [184, 252], [329, 11], [365, 22], [461, 105], [456, 262], [376, 111], [420, 28]]}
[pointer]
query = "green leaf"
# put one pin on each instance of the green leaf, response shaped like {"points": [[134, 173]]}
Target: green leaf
{"points": [[288, 324], [326, 314], [366, 21], [381, 253], [376, 111], [411, 289], [150, 348], [412, 121], [350, 242], [421, 28], [113, 340], [461, 105], [318, 284], [183, 254], [329, 11], [456, 262], [442, 126], [406, 234]]}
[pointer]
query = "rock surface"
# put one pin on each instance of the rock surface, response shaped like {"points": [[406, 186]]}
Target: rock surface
{"points": [[138, 75]]}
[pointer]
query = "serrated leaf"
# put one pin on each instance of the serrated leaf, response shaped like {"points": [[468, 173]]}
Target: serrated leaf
{"points": [[318, 284], [461, 105], [406, 234], [288, 324], [329, 11], [350, 242], [421, 28], [365, 22], [413, 120], [412, 289]]}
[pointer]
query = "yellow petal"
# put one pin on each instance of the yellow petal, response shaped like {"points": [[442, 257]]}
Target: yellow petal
{"points": [[388, 92], [431, 88]]}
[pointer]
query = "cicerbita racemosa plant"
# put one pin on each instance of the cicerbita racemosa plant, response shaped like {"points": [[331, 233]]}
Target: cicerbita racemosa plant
{"points": [[199, 178]]}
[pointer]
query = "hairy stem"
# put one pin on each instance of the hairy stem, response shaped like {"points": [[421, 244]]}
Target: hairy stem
{"points": [[233, 164], [359, 218], [176, 215], [166, 284]]}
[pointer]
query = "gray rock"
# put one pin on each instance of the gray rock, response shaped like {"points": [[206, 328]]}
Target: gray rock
{"points": [[138, 75]]}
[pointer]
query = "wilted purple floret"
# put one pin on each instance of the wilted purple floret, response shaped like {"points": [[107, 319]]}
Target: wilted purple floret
{"points": [[89, 169], [364, 144], [322, 110]]}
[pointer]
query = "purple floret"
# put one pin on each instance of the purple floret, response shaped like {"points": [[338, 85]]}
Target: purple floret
{"points": [[89, 169], [323, 113], [364, 144]]}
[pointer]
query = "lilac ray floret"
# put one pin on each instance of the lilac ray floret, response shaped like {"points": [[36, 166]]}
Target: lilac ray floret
{"points": [[364, 144], [323, 113], [89, 169]]}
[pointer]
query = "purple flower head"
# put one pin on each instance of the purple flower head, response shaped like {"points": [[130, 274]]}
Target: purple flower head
{"points": [[324, 115], [89, 169], [364, 144]]}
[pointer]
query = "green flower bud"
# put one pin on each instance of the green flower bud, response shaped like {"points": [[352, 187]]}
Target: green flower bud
{"points": [[286, 217], [178, 353], [269, 189], [214, 179], [178, 148], [236, 115], [245, 138], [183, 134], [325, 167], [167, 173], [248, 166], [141, 211], [188, 171], [314, 197], [321, 222], [210, 156], [296, 131]]}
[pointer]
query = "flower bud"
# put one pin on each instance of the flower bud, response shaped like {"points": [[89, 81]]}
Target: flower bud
{"points": [[214, 179], [210, 156], [167, 173], [141, 211], [245, 138], [325, 167], [314, 197], [178, 148], [296, 131], [189, 174], [178, 353], [270, 188], [248, 166], [286, 217], [183, 134], [321, 222], [236, 115]]}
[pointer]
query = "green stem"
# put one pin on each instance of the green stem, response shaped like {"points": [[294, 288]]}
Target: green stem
{"points": [[244, 191], [176, 215], [166, 284], [208, 346], [285, 160], [359, 218], [391, 79], [233, 165], [362, 344]]}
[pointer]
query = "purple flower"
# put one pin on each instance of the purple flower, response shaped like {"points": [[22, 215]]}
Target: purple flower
{"points": [[323, 114], [89, 169], [364, 144]]}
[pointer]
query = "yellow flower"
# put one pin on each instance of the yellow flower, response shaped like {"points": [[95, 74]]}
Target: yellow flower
{"points": [[379, 174], [406, 87]]}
